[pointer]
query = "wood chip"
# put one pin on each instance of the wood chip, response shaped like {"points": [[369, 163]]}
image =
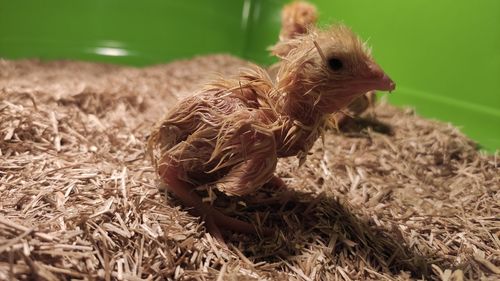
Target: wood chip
{"points": [[80, 199]]}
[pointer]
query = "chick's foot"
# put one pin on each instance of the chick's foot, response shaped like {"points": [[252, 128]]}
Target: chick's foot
{"points": [[215, 220]]}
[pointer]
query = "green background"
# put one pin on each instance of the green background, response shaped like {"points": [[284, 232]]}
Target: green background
{"points": [[444, 55]]}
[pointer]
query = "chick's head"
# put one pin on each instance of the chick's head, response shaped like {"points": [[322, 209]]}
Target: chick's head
{"points": [[329, 68]]}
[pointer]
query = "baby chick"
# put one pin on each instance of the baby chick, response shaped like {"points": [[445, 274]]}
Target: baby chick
{"points": [[231, 133]]}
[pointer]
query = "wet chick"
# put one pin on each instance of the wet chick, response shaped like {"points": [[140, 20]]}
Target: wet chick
{"points": [[296, 18], [231, 133]]}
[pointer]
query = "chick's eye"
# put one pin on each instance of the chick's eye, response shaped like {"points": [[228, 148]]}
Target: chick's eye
{"points": [[335, 64]]}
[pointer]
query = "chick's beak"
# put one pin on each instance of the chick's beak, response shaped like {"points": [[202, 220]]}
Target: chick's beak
{"points": [[377, 78]]}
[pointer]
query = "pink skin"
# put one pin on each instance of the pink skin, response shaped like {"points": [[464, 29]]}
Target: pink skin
{"points": [[378, 80], [374, 78]]}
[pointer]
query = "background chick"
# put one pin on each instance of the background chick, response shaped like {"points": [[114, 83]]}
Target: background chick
{"points": [[231, 133], [296, 18]]}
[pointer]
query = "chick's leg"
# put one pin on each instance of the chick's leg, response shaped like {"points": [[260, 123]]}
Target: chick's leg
{"points": [[169, 171], [277, 183], [250, 175]]}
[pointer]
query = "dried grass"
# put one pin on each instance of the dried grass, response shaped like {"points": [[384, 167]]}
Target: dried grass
{"points": [[80, 199]]}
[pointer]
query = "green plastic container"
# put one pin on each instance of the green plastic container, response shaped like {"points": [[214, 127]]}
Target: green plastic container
{"points": [[444, 55]]}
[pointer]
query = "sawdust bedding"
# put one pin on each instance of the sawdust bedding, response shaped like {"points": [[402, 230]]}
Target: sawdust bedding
{"points": [[394, 199]]}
